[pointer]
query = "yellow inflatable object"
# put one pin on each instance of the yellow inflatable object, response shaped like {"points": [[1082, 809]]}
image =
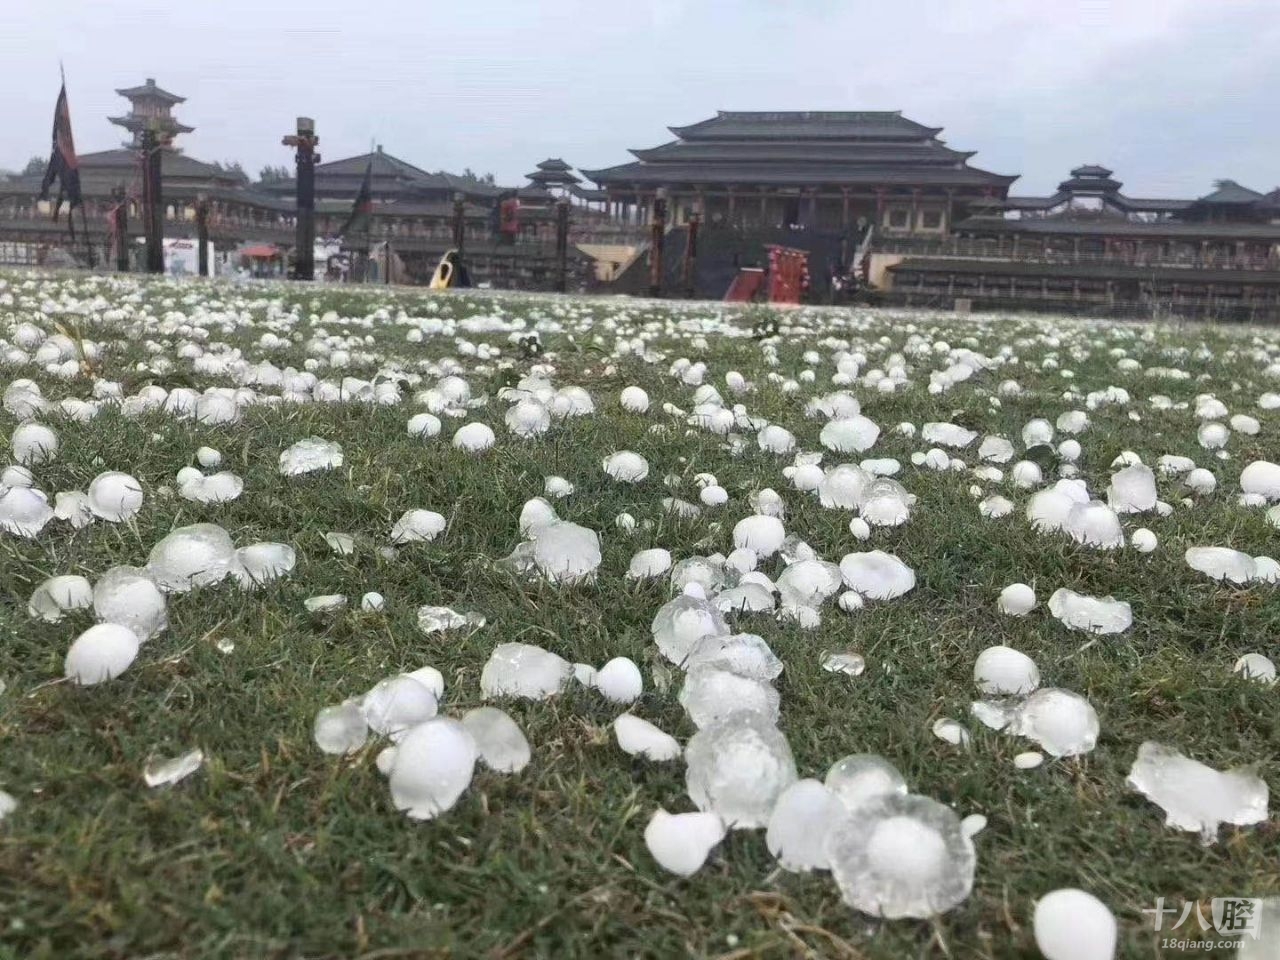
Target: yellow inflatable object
{"points": [[443, 277]]}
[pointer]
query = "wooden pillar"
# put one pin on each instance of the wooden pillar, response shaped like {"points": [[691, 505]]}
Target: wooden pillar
{"points": [[305, 159], [153, 198], [202, 236], [689, 267], [120, 229], [657, 236]]}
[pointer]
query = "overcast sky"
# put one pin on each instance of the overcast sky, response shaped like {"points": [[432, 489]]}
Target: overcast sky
{"points": [[1171, 94]]}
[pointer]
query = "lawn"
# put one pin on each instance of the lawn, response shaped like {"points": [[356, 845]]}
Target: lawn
{"points": [[275, 849]]}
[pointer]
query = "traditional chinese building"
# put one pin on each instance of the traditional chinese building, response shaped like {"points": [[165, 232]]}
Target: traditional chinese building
{"points": [[1088, 247], [820, 170]]}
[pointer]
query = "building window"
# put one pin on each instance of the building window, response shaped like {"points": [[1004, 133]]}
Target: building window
{"points": [[898, 218], [930, 219]]}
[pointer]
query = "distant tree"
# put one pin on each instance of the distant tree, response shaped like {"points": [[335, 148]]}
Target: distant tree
{"points": [[233, 170], [270, 174], [487, 178], [35, 167]]}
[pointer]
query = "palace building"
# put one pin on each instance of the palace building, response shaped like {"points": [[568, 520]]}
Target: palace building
{"points": [[821, 170]]}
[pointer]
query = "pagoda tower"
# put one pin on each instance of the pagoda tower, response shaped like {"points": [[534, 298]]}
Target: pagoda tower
{"points": [[150, 103]]}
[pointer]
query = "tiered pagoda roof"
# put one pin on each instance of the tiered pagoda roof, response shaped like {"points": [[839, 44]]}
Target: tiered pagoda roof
{"points": [[801, 148], [1097, 181], [149, 104]]}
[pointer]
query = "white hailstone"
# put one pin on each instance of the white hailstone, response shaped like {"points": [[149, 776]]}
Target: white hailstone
{"points": [[625, 522], [260, 563], [416, 526], [115, 496], [1222, 563], [1094, 524], [626, 466], [620, 681], [534, 514], [473, 437], [1256, 667], [995, 450], [16, 476], [776, 439], [947, 435], [649, 563], [849, 434], [851, 601], [310, 455], [34, 443], [372, 602], [995, 507], [396, 704], [1070, 450], [745, 654], [767, 502], [129, 597], [950, 731], [572, 401], [901, 856], [1196, 797], [763, 534], [340, 729], [1028, 760], [877, 575], [737, 767], [57, 595], [680, 843], [714, 496], [564, 552], [528, 418], [842, 487], [325, 603], [1026, 475], [208, 458], [1132, 490], [634, 399], [500, 742], [424, 425], [1002, 671], [639, 737], [1261, 478], [433, 766], [1143, 540], [742, 559], [1063, 723], [1163, 509], [881, 466], [220, 487], [431, 678], [7, 804], [1037, 432], [1073, 925], [711, 693], [807, 477], [101, 653], [1073, 421], [1213, 436], [799, 823], [1100, 615], [860, 529], [523, 670], [1201, 481], [557, 487], [194, 556], [163, 773], [1242, 423]]}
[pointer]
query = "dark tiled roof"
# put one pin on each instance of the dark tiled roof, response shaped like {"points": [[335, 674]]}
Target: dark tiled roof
{"points": [[1122, 228], [1228, 191], [767, 174], [925, 151], [555, 164], [553, 176], [1091, 170], [806, 125], [1100, 271], [149, 89]]}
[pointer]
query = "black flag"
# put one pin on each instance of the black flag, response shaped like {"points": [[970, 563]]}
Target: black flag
{"points": [[64, 166], [363, 207]]}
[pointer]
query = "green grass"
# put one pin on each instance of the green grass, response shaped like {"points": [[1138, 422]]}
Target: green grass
{"points": [[276, 850]]}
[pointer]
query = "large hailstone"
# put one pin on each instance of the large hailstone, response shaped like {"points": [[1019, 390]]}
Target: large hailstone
{"points": [[220, 487], [798, 826], [947, 435], [1094, 524], [634, 400], [680, 843], [901, 856], [639, 737], [1133, 490], [473, 437], [528, 418], [396, 704], [524, 670], [1222, 563], [737, 767], [1101, 615], [1002, 671], [852, 434], [1063, 723], [129, 597], [500, 742], [877, 575], [58, 595], [432, 767], [1195, 797], [1261, 478], [760, 533], [310, 455], [34, 443], [776, 439], [415, 526], [681, 622], [649, 563], [1074, 925], [626, 466], [101, 653], [620, 680], [1017, 600], [564, 552], [340, 729], [260, 563], [193, 556], [24, 511], [745, 654], [809, 583], [859, 778], [115, 496], [711, 693]]}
